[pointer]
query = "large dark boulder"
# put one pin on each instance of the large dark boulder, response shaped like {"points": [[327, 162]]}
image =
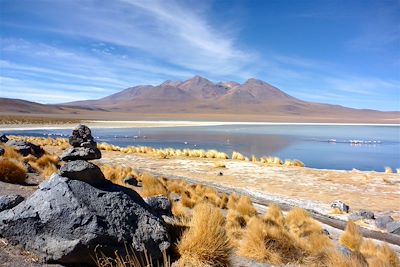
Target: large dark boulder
{"points": [[67, 220], [10, 201], [85, 153], [82, 137], [26, 148], [3, 138]]}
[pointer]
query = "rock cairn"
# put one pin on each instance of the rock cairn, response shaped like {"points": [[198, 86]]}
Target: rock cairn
{"points": [[77, 213], [83, 148], [83, 145]]}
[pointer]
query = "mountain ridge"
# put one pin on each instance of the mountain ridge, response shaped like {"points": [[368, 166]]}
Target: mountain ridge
{"points": [[200, 98]]}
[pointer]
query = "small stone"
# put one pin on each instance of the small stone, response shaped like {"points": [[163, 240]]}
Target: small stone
{"points": [[382, 221], [362, 214], [131, 180], [29, 168], [10, 201], [84, 153], [341, 206], [160, 204], [2, 151], [3, 138], [393, 227]]}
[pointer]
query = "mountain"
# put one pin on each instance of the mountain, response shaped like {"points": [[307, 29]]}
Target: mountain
{"points": [[199, 98]]}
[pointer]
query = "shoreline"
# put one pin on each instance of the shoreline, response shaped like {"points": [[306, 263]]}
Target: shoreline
{"points": [[163, 123]]}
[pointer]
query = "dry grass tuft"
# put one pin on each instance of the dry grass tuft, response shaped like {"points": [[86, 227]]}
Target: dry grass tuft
{"points": [[301, 224], [12, 171], [245, 206], [351, 237], [117, 173], [11, 153], [152, 186], [274, 216], [271, 244], [206, 242], [388, 170], [219, 164]]}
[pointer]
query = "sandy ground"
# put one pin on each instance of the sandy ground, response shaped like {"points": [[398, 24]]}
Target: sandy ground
{"points": [[378, 192], [155, 123]]}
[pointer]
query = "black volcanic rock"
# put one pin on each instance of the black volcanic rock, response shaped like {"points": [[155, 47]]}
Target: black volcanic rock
{"points": [[85, 153], [10, 201], [82, 137], [67, 221], [26, 148], [3, 138], [83, 171]]}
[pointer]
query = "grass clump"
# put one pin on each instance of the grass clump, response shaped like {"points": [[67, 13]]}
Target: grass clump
{"points": [[245, 207], [205, 243], [12, 171], [219, 164], [351, 237], [152, 186]]}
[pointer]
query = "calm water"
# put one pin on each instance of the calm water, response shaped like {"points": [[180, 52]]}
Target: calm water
{"points": [[326, 147]]}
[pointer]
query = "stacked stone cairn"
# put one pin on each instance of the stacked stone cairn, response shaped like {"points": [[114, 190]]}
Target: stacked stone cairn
{"points": [[77, 215]]}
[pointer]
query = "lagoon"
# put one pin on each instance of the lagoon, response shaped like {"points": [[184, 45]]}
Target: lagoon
{"points": [[343, 147]]}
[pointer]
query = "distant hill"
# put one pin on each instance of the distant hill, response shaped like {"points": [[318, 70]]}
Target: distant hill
{"points": [[199, 98]]}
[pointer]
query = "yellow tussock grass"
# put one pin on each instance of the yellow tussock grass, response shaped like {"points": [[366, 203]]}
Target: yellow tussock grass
{"points": [[117, 173], [274, 216], [388, 170], [245, 206], [205, 243], [187, 201], [12, 171], [301, 224], [152, 186], [271, 244], [11, 153], [351, 237], [219, 164], [237, 156], [181, 212], [232, 200], [388, 256]]}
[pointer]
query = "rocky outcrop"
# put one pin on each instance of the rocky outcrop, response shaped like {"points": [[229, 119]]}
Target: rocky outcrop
{"points": [[10, 201], [3, 138], [66, 220], [160, 205], [78, 212], [341, 206], [393, 227], [26, 148], [382, 221], [362, 214]]}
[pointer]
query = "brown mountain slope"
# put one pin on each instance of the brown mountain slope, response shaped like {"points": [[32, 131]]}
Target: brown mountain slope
{"points": [[199, 98]]}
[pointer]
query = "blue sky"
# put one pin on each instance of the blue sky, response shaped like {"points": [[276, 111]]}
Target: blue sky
{"points": [[339, 52]]}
